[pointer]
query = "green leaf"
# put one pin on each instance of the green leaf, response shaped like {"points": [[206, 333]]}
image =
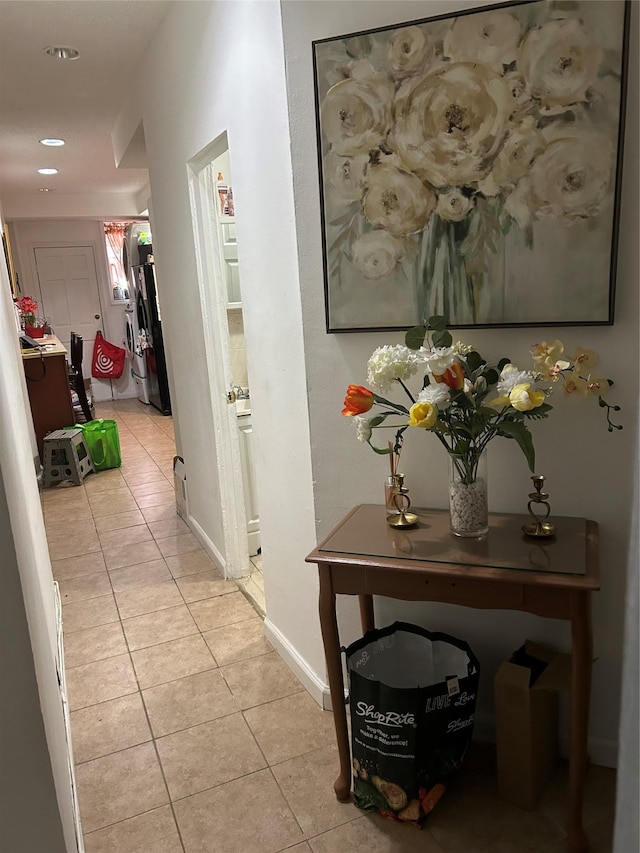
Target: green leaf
{"points": [[346, 217], [491, 376], [462, 429], [374, 422], [474, 360], [539, 412], [384, 451], [437, 323], [442, 339], [511, 429], [414, 338], [503, 362], [460, 399], [382, 401]]}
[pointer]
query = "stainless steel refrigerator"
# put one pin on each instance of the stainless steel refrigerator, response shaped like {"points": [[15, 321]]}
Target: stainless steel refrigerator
{"points": [[151, 321]]}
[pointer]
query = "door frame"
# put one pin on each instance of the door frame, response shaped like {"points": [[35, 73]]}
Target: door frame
{"points": [[213, 299]]}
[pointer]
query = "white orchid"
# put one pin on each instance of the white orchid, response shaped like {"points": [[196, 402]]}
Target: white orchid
{"points": [[437, 359]]}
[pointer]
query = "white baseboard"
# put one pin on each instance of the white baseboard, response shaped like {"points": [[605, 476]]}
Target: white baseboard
{"points": [[314, 685], [602, 752], [207, 544]]}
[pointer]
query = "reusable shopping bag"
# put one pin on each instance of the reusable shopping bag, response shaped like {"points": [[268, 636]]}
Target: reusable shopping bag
{"points": [[108, 359], [412, 698]]}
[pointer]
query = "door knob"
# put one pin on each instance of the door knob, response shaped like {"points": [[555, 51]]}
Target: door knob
{"points": [[97, 316]]}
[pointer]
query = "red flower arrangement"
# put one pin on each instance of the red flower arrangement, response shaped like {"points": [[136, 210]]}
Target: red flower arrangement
{"points": [[28, 308]]}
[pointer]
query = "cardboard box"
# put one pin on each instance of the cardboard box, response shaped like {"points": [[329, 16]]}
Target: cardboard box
{"points": [[180, 485], [526, 695]]}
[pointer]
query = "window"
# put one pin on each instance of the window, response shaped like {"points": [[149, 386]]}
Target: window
{"points": [[114, 238]]}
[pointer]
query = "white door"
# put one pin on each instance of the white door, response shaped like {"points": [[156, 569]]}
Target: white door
{"points": [[71, 302], [225, 436]]}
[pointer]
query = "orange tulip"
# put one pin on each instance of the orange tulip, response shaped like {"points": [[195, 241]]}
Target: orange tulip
{"points": [[453, 376], [357, 401]]}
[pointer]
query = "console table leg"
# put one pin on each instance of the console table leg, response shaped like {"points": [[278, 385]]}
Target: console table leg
{"points": [[331, 641], [367, 618], [582, 653]]}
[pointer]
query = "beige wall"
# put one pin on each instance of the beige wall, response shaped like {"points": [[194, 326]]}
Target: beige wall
{"points": [[26, 780], [589, 471], [36, 797]]}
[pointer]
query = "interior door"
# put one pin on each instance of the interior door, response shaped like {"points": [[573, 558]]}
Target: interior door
{"points": [[227, 524], [70, 300]]}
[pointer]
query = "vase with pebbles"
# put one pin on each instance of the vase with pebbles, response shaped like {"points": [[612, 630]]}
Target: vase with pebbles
{"points": [[468, 505]]}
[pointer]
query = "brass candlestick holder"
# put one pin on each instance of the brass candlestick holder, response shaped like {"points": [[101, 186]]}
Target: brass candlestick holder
{"points": [[541, 528], [400, 500]]}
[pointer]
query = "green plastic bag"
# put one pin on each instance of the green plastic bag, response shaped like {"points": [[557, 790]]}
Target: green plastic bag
{"points": [[103, 443]]}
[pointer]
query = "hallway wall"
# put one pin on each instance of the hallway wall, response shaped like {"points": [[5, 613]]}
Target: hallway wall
{"points": [[35, 757], [220, 69], [589, 471]]}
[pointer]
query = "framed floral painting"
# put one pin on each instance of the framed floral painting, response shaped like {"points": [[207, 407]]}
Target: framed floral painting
{"points": [[470, 167]]}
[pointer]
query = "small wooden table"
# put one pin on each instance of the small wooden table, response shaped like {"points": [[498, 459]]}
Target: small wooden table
{"points": [[506, 570], [47, 377]]}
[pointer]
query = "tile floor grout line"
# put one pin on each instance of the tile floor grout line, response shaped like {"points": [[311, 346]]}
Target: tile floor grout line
{"points": [[218, 634]]}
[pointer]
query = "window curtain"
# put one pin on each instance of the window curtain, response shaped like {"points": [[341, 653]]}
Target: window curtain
{"points": [[114, 232]]}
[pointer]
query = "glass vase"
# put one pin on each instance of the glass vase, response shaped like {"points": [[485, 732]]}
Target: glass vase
{"points": [[468, 504]]}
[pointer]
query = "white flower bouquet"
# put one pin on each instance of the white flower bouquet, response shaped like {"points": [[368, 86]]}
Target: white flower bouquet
{"points": [[464, 401]]}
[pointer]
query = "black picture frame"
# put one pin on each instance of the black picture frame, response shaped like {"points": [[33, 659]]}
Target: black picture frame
{"points": [[470, 166]]}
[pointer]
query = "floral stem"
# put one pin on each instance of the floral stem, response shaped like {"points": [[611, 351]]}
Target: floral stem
{"points": [[409, 394]]}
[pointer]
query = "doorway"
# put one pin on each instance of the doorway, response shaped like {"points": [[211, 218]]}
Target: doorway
{"points": [[70, 300], [220, 291]]}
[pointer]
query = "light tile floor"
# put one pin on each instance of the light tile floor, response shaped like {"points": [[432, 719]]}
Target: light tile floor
{"points": [[190, 734]]}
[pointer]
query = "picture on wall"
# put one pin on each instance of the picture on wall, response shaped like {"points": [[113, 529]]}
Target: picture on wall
{"points": [[470, 167]]}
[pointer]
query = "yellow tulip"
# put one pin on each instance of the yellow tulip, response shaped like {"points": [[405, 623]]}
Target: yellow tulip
{"points": [[423, 415]]}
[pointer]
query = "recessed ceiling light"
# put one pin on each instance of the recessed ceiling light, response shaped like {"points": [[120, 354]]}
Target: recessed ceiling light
{"points": [[59, 52], [46, 190], [52, 141], [48, 171]]}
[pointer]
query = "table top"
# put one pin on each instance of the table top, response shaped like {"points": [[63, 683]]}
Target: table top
{"points": [[50, 346], [570, 558]]}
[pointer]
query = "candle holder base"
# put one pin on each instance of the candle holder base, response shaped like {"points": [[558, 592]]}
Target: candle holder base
{"points": [[402, 519]]}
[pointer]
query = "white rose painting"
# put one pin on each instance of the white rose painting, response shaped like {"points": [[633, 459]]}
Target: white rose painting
{"points": [[470, 167]]}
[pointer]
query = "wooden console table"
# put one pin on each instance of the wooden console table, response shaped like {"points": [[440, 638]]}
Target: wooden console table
{"points": [[47, 377], [506, 570]]}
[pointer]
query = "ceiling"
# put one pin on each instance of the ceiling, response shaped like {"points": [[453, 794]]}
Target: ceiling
{"points": [[76, 100]]}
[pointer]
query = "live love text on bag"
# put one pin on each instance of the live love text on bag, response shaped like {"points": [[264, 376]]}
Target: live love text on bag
{"points": [[413, 697], [108, 359]]}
